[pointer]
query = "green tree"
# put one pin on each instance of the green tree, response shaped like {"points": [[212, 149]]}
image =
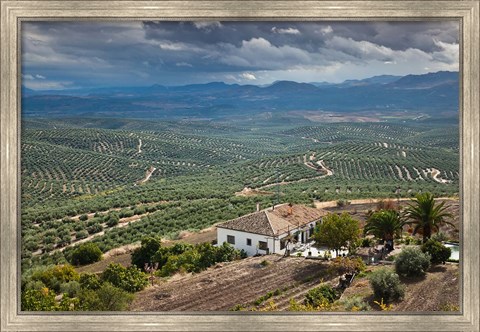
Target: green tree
{"points": [[52, 277], [38, 300], [130, 279], [437, 251], [113, 298], [106, 298], [384, 225], [337, 231], [86, 253], [426, 215], [90, 281], [147, 250]]}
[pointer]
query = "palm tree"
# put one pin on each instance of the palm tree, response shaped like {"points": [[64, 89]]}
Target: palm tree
{"points": [[426, 215], [385, 225]]}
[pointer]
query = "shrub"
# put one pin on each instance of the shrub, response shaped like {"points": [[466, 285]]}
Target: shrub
{"points": [[83, 217], [130, 279], [412, 262], [386, 285], [90, 281], [342, 203], [38, 300], [386, 205], [356, 303], [264, 263], [341, 265], [53, 277], [81, 234], [112, 221], [106, 298], [440, 237], [86, 253], [366, 242], [316, 296], [94, 228], [437, 251], [70, 288]]}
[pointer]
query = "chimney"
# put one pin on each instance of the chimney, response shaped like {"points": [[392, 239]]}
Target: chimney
{"points": [[258, 207], [290, 209]]}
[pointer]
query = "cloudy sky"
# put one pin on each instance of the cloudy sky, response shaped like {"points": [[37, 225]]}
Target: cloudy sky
{"points": [[65, 55]]}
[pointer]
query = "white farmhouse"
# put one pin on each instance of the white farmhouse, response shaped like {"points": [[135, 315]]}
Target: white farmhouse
{"points": [[270, 231]]}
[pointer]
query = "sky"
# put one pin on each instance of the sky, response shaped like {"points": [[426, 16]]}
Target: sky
{"points": [[69, 55]]}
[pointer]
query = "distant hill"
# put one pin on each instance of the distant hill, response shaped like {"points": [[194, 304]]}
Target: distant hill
{"points": [[430, 93], [426, 81]]}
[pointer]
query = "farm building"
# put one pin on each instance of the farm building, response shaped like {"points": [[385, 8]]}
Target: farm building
{"points": [[271, 230]]}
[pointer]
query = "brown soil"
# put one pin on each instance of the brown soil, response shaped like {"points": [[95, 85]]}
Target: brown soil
{"points": [[226, 285], [439, 290]]}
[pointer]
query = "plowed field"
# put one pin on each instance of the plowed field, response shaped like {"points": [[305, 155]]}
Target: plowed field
{"points": [[222, 287]]}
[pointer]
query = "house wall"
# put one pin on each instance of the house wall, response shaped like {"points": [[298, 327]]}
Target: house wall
{"points": [[241, 241]]}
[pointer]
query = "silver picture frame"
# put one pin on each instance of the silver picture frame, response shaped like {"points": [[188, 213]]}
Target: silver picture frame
{"points": [[13, 13]]}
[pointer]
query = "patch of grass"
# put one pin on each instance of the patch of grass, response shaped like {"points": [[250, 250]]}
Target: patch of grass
{"points": [[265, 297], [265, 263]]}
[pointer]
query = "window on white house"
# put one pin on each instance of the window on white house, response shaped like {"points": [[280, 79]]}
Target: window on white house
{"points": [[262, 245], [249, 242], [231, 239]]}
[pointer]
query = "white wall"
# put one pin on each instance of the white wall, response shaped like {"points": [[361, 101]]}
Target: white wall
{"points": [[241, 241]]}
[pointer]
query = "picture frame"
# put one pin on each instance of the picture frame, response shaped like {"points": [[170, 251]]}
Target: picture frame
{"points": [[14, 12]]}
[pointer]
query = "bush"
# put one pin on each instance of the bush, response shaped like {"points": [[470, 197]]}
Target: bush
{"points": [[366, 242], [38, 300], [316, 296], [112, 298], [106, 298], [342, 203], [112, 221], [53, 277], [90, 281], [437, 251], [70, 288], [94, 228], [440, 237], [86, 253], [83, 217], [412, 262], [386, 205], [341, 265], [130, 279], [386, 285], [356, 303], [82, 234]]}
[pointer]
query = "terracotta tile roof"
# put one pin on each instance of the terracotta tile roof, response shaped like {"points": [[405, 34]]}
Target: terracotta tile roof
{"points": [[277, 221]]}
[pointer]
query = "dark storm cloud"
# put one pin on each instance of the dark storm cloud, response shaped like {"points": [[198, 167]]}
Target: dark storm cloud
{"points": [[70, 54]]}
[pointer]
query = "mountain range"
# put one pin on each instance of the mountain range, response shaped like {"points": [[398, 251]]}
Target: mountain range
{"points": [[432, 93]]}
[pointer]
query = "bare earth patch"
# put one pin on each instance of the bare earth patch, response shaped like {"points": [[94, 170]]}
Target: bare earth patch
{"points": [[225, 285], [439, 290]]}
